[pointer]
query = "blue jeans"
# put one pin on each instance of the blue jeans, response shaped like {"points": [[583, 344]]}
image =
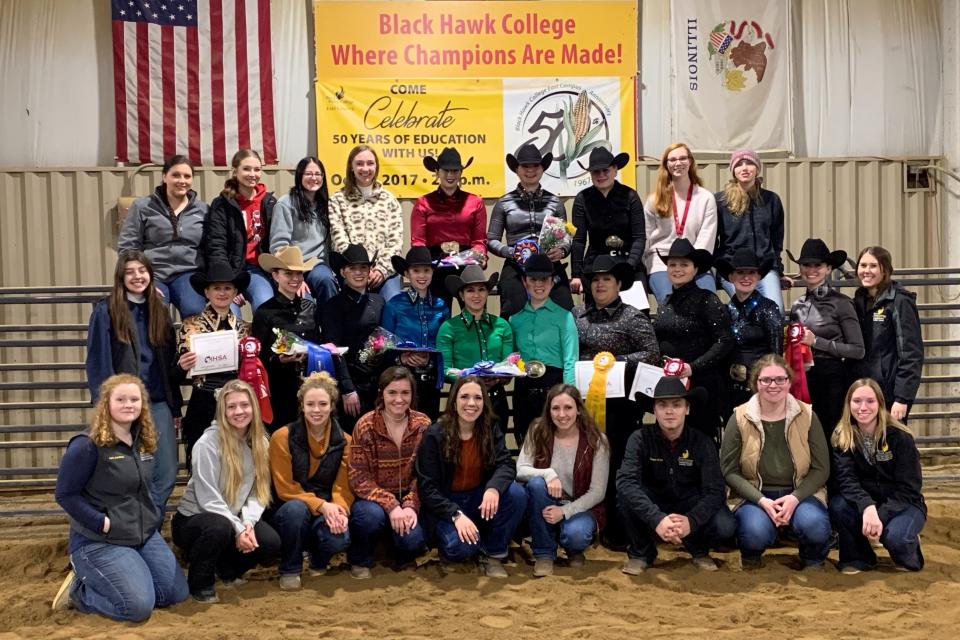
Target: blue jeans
{"points": [[126, 583], [368, 522], [810, 523], [260, 288], [391, 287], [178, 293], [644, 539], [575, 534], [165, 458], [301, 530], [322, 283], [661, 286], [495, 534], [900, 536], [769, 288]]}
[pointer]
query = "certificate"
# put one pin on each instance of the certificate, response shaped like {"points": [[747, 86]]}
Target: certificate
{"points": [[646, 380], [216, 352], [615, 389], [636, 296]]}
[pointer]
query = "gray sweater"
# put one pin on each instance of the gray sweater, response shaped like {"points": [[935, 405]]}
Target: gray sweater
{"points": [[203, 493], [561, 466], [287, 228]]}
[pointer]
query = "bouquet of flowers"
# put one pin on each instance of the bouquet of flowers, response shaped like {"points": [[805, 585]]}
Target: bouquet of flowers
{"points": [[288, 343], [319, 356], [378, 343], [556, 232], [512, 367], [462, 259]]}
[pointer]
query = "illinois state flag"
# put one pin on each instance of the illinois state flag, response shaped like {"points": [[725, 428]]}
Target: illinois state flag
{"points": [[193, 77], [732, 79]]}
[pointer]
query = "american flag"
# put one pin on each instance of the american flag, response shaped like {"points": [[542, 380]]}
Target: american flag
{"points": [[192, 77]]}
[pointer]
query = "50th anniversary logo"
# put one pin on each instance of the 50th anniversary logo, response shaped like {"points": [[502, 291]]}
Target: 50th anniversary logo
{"points": [[409, 78]]}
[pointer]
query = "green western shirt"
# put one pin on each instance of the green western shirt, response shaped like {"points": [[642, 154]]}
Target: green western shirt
{"points": [[465, 340], [548, 334]]}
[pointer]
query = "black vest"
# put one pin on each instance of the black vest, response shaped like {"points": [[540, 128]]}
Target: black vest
{"points": [[321, 483]]}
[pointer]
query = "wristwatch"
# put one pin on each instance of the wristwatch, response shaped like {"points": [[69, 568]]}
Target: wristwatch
{"points": [[455, 516]]}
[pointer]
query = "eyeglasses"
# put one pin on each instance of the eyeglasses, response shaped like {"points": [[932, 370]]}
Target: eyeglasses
{"points": [[312, 174], [681, 160], [779, 380]]}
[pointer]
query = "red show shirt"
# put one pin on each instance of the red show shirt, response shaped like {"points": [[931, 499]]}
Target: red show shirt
{"points": [[438, 218]]}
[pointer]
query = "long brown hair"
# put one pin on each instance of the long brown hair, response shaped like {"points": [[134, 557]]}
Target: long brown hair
{"points": [[394, 374], [231, 457], [542, 431], [847, 434], [663, 192], [101, 432], [482, 428], [121, 320], [232, 185], [350, 180], [885, 260]]}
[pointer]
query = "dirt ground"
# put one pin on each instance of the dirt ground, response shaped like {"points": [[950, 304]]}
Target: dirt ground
{"points": [[596, 602]]}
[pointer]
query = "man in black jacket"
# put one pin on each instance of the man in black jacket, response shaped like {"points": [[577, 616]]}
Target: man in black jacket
{"points": [[670, 486]]}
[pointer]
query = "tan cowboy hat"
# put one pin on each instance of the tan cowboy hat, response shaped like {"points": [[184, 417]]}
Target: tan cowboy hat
{"points": [[288, 257]]}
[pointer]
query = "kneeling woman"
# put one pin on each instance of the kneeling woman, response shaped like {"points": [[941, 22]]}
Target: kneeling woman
{"points": [[308, 460], [565, 463], [382, 477], [878, 484], [122, 568], [218, 523], [465, 475]]}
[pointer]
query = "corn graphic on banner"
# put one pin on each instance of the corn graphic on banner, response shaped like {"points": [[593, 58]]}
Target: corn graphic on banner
{"points": [[410, 78]]}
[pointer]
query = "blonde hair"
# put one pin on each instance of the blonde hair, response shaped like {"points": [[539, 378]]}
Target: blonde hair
{"points": [[231, 456], [101, 431], [663, 192], [738, 200], [232, 184], [319, 380], [847, 435]]}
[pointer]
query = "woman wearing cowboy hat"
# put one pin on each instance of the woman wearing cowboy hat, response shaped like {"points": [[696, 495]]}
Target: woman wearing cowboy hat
{"points": [[220, 284], [476, 335], [751, 217], [609, 218], [287, 311], [757, 322], [693, 325], [832, 330], [449, 220], [415, 316], [606, 323], [347, 321], [679, 207], [520, 214]]}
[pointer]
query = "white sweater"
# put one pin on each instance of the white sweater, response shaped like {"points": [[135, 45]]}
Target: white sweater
{"points": [[700, 228], [561, 466]]}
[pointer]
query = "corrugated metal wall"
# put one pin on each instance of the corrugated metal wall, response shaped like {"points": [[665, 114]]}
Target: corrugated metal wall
{"points": [[58, 227]]}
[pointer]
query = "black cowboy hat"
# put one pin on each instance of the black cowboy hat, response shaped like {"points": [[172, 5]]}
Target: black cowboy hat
{"points": [[815, 250], [528, 154], [682, 248], [473, 274], [353, 254], [743, 259], [538, 266], [601, 158], [672, 387], [416, 256], [219, 272], [448, 159], [619, 269]]}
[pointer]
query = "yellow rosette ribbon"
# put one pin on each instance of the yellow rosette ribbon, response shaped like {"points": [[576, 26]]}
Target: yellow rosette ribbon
{"points": [[596, 402]]}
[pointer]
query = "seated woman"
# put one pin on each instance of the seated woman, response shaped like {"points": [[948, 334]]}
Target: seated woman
{"points": [[465, 480], [122, 568], [564, 464], [757, 323], [776, 463], [220, 285], [416, 317], [308, 461], [287, 311], [130, 332], [168, 227], [878, 481], [382, 476], [218, 524]]}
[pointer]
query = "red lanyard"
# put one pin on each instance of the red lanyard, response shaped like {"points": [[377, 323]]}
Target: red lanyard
{"points": [[680, 224]]}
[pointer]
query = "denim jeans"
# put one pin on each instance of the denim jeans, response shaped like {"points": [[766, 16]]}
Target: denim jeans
{"points": [[126, 583], [178, 293], [495, 534], [260, 288], [390, 287], [368, 522], [322, 283], [302, 531], [769, 288], [661, 286], [575, 534], [810, 523], [900, 536], [643, 538], [165, 458]]}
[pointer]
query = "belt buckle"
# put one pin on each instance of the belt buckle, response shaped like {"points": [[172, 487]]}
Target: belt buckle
{"points": [[535, 369], [450, 247], [738, 372]]}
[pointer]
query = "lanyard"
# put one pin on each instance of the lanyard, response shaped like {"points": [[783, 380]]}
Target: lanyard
{"points": [[680, 224]]}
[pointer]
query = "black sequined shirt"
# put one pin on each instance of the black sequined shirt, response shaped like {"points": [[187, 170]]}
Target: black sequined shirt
{"points": [[757, 325], [694, 325]]}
